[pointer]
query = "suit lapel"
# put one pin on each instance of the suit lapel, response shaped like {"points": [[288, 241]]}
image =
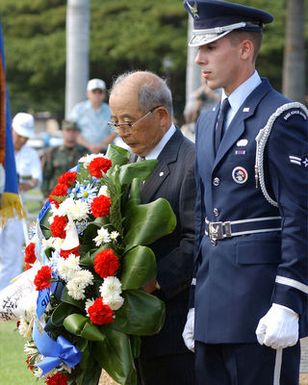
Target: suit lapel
{"points": [[167, 156], [237, 126]]}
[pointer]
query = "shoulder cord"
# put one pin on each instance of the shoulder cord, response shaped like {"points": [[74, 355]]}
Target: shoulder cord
{"points": [[261, 140]]}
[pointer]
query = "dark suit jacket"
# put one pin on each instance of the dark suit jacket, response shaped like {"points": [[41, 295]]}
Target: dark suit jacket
{"points": [[173, 179], [239, 278]]}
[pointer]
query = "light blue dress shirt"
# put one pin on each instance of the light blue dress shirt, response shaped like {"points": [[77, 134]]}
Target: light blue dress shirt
{"points": [[238, 96], [92, 123]]}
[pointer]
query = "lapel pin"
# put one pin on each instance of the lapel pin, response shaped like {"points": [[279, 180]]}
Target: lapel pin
{"points": [[246, 109], [161, 173], [242, 143]]}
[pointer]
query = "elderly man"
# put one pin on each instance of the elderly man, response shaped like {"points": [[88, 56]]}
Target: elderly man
{"points": [[251, 281], [92, 116], [141, 107]]}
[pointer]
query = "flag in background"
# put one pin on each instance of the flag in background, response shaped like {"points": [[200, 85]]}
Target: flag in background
{"points": [[10, 204]]}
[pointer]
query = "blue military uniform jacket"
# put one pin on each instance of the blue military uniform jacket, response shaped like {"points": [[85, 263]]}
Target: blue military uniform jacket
{"points": [[238, 278]]}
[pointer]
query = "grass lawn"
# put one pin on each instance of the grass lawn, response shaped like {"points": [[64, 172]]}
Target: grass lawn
{"points": [[13, 369]]}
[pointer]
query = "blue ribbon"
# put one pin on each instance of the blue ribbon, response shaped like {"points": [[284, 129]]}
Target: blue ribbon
{"points": [[44, 210], [55, 352], [43, 298]]}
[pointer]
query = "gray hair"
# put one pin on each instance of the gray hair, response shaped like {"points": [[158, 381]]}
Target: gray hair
{"points": [[153, 92]]}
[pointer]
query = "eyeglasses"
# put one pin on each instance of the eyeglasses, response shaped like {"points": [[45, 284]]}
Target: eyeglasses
{"points": [[129, 125]]}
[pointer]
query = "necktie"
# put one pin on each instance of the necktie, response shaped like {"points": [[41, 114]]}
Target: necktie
{"points": [[219, 132]]}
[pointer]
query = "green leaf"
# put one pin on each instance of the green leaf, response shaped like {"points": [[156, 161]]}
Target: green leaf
{"points": [[44, 224], [142, 314], [146, 223], [61, 312], [115, 356], [87, 260], [117, 154], [81, 326], [138, 267], [136, 345], [141, 170], [90, 370]]}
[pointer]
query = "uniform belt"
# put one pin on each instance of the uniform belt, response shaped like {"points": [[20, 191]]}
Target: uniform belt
{"points": [[228, 229]]}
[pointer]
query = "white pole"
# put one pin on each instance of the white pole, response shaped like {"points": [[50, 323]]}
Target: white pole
{"points": [[77, 52]]}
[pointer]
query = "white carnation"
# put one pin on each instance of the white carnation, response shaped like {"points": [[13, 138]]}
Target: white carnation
{"points": [[75, 209], [114, 301], [53, 242], [68, 267], [103, 191], [110, 287], [77, 285], [103, 236], [87, 159]]}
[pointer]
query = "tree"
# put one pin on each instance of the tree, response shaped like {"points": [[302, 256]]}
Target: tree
{"points": [[124, 35], [294, 52]]}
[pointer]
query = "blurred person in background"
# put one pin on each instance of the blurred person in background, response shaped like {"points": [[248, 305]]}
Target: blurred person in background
{"points": [[202, 99], [92, 116], [59, 159], [28, 166]]}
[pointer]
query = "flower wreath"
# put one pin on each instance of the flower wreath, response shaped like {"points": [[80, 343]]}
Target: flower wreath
{"points": [[91, 261]]}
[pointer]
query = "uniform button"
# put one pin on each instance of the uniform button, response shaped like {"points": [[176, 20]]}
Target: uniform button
{"points": [[216, 181], [216, 212]]}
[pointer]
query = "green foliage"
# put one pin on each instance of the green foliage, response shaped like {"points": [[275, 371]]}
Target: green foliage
{"points": [[125, 35]]}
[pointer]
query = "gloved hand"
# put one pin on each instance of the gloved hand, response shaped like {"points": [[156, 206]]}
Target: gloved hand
{"points": [[278, 328], [188, 332]]}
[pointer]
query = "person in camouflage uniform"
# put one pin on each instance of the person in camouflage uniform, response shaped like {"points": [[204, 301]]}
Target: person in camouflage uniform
{"points": [[57, 160]]}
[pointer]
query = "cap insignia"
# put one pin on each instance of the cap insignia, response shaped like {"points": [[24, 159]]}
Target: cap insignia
{"points": [[193, 10]]}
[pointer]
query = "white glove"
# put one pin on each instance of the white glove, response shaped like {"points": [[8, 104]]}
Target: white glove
{"points": [[188, 332], [278, 328]]}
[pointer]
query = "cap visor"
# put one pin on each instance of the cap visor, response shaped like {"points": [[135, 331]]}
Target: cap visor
{"points": [[197, 39]]}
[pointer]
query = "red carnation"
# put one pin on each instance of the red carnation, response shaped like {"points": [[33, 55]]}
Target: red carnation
{"points": [[59, 191], [57, 379], [99, 166], [100, 313], [65, 253], [30, 257], [106, 263], [42, 278], [57, 227], [100, 206], [68, 178]]}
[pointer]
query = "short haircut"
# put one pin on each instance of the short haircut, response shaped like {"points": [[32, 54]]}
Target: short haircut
{"points": [[153, 91], [255, 37]]}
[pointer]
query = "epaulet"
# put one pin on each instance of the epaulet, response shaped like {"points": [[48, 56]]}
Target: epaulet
{"points": [[262, 139]]}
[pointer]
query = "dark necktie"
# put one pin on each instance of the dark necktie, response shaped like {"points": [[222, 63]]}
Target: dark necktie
{"points": [[219, 132]]}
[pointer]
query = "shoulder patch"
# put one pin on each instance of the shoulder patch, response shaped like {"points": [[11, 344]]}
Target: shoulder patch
{"points": [[289, 114]]}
